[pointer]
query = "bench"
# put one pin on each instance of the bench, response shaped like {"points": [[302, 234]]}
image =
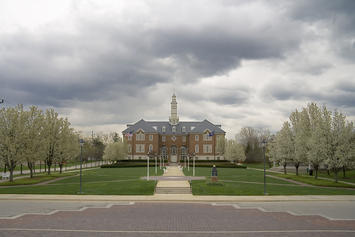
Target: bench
{"points": [[5, 175]]}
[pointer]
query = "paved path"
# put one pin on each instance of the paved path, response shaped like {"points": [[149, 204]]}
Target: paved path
{"points": [[171, 185], [178, 219]]}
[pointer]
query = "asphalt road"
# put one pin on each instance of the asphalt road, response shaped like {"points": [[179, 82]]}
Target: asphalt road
{"points": [[176, 219]]}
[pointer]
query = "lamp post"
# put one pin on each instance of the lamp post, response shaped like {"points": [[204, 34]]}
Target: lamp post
{"points": [[81, 162], [188, 162], [193, 170], [263, 143], [156, 165], [148, 165]]}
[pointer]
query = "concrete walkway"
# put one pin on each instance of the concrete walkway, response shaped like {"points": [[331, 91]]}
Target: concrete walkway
{"points": [[173, 186]]}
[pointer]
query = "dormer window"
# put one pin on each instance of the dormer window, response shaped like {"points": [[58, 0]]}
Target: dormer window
{"points": [[163, 129], [174, 129], [183, 129]]}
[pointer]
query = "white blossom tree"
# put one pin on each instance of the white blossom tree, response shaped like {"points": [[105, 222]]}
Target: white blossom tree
{"points": [[33, 138], [12, 132], [301, 133], [116, 151], [234, 151]]}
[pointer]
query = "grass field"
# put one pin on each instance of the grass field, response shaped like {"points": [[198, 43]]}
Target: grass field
{"points": [[250, 182], [312, 181], [38, 178], [118, 181]]}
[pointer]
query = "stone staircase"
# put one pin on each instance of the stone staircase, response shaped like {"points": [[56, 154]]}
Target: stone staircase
{"points": [[172, 190], [173, 185]]}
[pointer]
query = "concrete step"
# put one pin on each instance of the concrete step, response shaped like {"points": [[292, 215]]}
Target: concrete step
{"points": [[173, 190]]}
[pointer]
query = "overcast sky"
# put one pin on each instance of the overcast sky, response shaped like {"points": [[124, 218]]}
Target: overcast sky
{"points": [[104, 64]]}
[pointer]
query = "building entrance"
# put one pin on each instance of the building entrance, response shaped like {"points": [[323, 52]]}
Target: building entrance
{"points": [[173, 156]]}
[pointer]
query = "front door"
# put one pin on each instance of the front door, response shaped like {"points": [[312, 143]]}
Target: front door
{"points": [[173, 157]]}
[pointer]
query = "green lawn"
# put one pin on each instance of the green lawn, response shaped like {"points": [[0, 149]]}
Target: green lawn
{"points": [[114, 181], [234, 181], [257, 165], [349, 175], [234, 174], [38, 178], [41, 167], [311, 180]]}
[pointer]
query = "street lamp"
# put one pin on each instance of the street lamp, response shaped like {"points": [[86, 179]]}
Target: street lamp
{"points": [[81, 141], [263, 143], [193, 170], [156, 165]]}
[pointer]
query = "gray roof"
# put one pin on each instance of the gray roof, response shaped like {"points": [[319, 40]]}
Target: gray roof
{"points": [[191, 127]]}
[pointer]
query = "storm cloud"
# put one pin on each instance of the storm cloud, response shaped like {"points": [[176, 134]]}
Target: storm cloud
{"points": [[104, 64]]}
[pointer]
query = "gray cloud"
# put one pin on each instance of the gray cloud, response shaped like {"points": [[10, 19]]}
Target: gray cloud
{"points": [[112, 66]]}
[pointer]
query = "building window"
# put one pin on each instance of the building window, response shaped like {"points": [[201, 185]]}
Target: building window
{"points": [[140, 137], [207, 137], [163, 138], [129, 138], [196, 138], [183, 129], [196, 148], [163, 129], [150, 137], [174, 129], [207, 148], [183, 138], [129, 148], [140, 148], [151, 147]]}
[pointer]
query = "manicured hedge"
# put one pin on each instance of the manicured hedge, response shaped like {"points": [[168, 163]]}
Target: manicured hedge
{"points": [[129, 163], [218, 165]]}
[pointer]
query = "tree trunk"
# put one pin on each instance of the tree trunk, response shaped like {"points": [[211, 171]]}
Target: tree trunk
{"points": [[285, 170], [316, 171], [297, 165], [344, 169], [11, 168], [30, 167], [336, 174], [328, 172], [60, 167], [49, 164], [21, 169]]}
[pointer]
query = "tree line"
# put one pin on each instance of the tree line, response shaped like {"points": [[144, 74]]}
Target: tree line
{"points": [[315, 136], [28, 136]]}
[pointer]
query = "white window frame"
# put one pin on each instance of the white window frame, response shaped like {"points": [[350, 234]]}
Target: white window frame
{"points": [[207, 137], [183, 129], [163, 129], [129, 138], [183, 138], [174, 129], [197, 148], [207, 148], [140, 148], [129, 148], [163, 138], [150, 147], [150, 137], [140, 136], [197, 138]]}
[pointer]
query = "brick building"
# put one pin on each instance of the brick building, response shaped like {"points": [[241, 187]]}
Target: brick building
{"points": [[173, 139]]}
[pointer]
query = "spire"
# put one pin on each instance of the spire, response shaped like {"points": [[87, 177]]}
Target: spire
{"points": [[174, 119]]}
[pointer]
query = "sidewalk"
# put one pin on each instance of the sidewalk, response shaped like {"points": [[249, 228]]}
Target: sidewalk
{"points": [[177, 198]]}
